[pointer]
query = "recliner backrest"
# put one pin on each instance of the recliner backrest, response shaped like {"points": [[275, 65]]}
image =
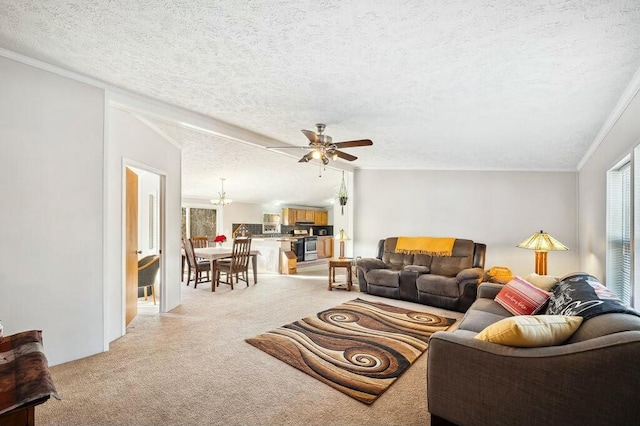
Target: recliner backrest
{"points": [[395, 260], [465, 254], [479, 253]]}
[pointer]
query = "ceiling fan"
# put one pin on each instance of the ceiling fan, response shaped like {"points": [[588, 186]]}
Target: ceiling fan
{"points": [[323, 148]]}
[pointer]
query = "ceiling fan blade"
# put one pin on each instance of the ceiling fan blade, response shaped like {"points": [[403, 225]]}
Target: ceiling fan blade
{"points": [[306, 158], [345, 156], [351, 144], [289, 147], [311, 135]]}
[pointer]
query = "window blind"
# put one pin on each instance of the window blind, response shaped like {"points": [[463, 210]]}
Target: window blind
{"points": [[619, 250]]}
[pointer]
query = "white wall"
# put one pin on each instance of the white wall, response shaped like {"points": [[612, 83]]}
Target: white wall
{"points": [[51, 185], [133, 142], [148, 185], [499, 209], [240, 213], [620, 141]]}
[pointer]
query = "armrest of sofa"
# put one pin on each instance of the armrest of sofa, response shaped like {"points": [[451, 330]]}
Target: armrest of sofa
{"points": [[556, 385], [489, 290], [367, 264], [471, 274], [468, 280]]}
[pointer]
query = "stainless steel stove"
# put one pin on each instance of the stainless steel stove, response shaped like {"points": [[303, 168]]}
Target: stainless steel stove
{"points": [[310, 245]]}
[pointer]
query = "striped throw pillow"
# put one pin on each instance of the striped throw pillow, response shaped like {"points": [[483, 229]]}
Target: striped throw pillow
{"points": [[520, 297]]}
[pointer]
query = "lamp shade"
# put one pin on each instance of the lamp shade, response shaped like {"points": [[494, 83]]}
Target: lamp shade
{"points": [[541, 241]]}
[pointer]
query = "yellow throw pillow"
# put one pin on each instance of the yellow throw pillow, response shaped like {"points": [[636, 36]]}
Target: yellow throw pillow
{"points": [[545, 282], [500, 273], [530, 331]]}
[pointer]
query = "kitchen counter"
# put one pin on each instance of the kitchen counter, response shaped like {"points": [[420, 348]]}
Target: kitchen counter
{"points": [[287, 237], [271, 249]]}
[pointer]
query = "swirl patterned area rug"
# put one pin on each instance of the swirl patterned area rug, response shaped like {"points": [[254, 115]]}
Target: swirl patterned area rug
{"points": [[359, 347]]}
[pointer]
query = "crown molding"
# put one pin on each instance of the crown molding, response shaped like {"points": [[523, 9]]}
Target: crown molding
{"points": [[629, 93]]}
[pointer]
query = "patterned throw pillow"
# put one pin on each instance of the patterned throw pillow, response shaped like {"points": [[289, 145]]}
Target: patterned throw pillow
{"points": [[531, 331], [520, 297], [583, 295]]}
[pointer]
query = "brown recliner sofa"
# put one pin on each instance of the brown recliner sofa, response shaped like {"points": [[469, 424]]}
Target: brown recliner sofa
{"points": [[448, 282]]}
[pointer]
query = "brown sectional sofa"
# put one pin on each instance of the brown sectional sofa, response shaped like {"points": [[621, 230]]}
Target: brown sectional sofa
{"points": [[591, 379], [448, 282]]}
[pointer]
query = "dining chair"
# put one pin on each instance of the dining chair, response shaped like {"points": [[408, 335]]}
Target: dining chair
{"points": [[200, 242], [148, 268], [197, 266], [237, 265]]}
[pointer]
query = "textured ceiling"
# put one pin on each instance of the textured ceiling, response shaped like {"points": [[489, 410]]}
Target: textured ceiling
{"points": [[251, 174], [494, 84]]}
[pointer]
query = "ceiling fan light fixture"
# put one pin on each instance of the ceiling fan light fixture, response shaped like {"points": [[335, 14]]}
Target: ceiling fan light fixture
{"points": [[321, 147]]}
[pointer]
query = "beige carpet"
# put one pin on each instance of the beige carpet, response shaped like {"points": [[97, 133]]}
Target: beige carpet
{"points": [[193, 367]]}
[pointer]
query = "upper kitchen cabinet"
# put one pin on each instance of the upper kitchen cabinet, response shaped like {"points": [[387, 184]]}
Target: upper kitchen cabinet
{"points": [[301, 216], [310, 216], [321, 217], [317, 217], [288, 216]]}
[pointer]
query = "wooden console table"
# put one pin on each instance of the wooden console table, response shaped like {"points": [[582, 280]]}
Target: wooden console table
{"points": [[339, 262], [24, 376]]}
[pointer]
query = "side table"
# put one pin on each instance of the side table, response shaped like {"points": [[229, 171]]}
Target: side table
{"points": [[339, 262]]}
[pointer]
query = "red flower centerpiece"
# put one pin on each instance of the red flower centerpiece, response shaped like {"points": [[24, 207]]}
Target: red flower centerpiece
{"points": [[220, 239]]}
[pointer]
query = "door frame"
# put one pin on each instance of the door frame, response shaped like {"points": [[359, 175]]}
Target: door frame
{"points": [[162, 284]]}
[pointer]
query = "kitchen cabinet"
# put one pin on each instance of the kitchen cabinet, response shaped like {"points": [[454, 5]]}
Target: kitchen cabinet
{"points": [[288, 216], [291, 216], [321, 217], [309, 216], [301, 215], [325, 247]]}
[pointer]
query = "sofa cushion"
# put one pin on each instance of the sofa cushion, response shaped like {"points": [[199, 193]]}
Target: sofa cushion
{"points": [[520, 297], [383, 277], [605, 324], [475, 320], [397, 260], [531, 331], [417, 268], [491, 306], [438, 285], [449, 266], [422, 259], [463, 248]]}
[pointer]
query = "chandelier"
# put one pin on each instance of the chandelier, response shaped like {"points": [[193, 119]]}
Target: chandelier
{"points": [[222, 200]]}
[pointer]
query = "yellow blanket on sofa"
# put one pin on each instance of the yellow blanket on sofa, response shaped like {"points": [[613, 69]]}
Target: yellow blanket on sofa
{"points": [[425, 245]]}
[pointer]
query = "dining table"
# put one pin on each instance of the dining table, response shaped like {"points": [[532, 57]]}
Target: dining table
{"points": [[215, 253]]}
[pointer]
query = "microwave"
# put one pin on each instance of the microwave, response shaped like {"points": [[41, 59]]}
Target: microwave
{"points": [[270, 228]]}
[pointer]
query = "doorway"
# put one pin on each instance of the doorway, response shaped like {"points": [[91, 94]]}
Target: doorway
{"points": [[143, 241]]}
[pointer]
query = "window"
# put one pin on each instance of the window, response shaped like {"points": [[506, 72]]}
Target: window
{"points": [[199, 222], [619, 231]]}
